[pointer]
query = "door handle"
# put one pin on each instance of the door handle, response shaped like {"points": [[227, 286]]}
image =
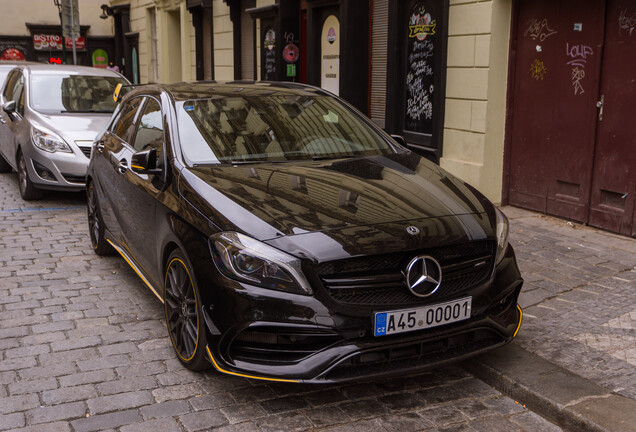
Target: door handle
{"points": [[122, 167], [600, 105]]}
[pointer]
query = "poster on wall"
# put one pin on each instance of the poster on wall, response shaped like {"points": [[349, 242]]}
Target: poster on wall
{"points": [[269, 57], [421, 32], [330, 55]]}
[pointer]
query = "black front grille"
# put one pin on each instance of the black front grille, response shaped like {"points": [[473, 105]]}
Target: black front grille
{"points": [[380, 280], [71, 178], [414, 356], [86, 151]]}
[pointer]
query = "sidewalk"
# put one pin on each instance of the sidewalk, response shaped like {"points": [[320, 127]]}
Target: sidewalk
{"points": [[574, 360]]}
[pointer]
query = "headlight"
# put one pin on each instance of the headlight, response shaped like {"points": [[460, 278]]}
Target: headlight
{"points": [[502, 234], [241, 257], [48, 141]]}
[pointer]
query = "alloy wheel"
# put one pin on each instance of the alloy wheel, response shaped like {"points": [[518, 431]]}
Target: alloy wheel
{"points": [[22, 174], [181, 310], [93, 220]]}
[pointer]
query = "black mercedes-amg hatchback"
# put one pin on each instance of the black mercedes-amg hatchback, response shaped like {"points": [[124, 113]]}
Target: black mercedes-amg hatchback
{"points": [[292, 240]]}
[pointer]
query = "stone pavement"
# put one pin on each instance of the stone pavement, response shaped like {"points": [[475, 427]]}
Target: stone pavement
{"points": [[574, 360], [83, 346], [579, 298]]}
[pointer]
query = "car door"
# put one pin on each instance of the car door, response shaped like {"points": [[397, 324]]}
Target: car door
{"points": [[141, 190], [110, 150], [6, 120]]}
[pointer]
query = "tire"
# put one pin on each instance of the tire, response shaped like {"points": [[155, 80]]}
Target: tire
{"points": [[184, 317], [4, 165], [28, 191], [96, 226]]}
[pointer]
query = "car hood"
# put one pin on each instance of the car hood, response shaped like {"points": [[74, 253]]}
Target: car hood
{"points": [[270, 200], [75, 127]]}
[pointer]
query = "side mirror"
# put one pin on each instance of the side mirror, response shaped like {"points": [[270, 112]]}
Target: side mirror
{"points": [[145, 162], [9, 108], [399, 139]]}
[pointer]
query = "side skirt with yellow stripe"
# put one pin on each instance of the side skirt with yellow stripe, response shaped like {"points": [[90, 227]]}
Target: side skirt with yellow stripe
{"points": [[135, 268]]}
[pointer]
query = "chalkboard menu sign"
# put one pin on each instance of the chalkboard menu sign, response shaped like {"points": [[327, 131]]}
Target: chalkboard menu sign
{"points": [[421, 38], [269, 57]]}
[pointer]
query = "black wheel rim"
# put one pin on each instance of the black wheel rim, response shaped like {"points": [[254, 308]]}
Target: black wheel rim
{"points": [[22, 175], [93, 220], [181, 310]]}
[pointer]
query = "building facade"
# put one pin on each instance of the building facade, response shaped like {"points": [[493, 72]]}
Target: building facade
{"points": [[527, 101], [32, 31]]}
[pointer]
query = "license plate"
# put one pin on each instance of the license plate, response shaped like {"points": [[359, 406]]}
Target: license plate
{"points": [[406, 320]]}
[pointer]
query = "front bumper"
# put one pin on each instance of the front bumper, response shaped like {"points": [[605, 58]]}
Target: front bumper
{"points": [[57, 171], [293, 338]]}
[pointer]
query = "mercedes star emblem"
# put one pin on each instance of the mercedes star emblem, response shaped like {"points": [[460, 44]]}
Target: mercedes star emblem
{"points": [[423, 276], [413, 230]]}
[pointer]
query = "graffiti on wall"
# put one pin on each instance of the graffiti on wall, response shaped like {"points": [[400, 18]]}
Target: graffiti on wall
{"points": [[538, 29], [538, 70], [577, 56], [626, 22]]}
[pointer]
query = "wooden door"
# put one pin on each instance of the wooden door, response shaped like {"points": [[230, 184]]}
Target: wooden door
{"points": [[614, 177], [557, 68]]}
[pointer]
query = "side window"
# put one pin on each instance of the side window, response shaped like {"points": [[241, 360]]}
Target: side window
{"points": [[123, 127], [14, 79], [150, 131]]}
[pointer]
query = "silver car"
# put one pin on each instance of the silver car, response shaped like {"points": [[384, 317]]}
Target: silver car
{"points": [[49, 118]]}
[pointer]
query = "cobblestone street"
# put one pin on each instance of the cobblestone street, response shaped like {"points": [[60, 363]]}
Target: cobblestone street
{"points": [[83, 344], [579, 298]]}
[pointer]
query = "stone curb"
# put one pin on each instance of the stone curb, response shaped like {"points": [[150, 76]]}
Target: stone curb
{"points": [[570, 401]]}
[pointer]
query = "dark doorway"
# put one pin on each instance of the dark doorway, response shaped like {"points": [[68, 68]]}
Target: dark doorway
{"points": [[417, 73]]}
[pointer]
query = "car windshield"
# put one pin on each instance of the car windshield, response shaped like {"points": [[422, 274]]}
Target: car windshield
{"points": [[273, 128], [73, 93]]}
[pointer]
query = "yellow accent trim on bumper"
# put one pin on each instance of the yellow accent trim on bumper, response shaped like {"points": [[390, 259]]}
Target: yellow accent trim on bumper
{"points": [[135, 269], [245, 376], [137, 167], [520, 318]]}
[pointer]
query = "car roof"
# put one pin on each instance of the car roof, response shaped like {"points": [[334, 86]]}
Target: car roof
{"points": [[207, 89], [69, 69]]}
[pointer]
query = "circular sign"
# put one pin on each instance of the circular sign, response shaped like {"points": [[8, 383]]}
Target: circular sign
{"points": [[291, 53], [12, 54]]}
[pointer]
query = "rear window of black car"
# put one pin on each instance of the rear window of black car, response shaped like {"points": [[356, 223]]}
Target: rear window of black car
{"points": [[273, 128]]}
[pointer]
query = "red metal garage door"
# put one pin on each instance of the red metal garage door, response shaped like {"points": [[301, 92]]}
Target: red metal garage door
{"points": [[565, 159]]}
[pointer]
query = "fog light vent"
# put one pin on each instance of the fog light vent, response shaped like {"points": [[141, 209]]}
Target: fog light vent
{"points": [[43, 172]]}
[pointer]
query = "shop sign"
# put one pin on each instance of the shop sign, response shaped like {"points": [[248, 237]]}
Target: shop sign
{"points": [[330, 55], [419, 79], [291, 70], [12, 54], [291, 53], [100, 58], [269, 43], [80, 43], [47, 42]]}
